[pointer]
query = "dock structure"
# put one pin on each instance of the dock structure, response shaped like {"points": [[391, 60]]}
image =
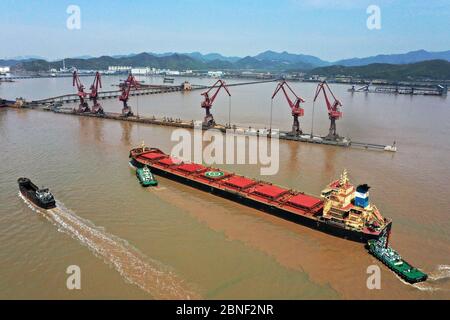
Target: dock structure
{"points": [[437, 90], [113, 94], [142, 91], [170, 122], [43, 76], [55, 104]]}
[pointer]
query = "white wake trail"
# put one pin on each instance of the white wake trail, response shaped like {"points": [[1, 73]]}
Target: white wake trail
{"points": [[437, 280], [443, 272], [149, 275]]}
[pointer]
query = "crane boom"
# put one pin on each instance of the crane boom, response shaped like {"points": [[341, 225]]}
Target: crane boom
{"points": [[208, 101], [76, 82], [97, 108], [296, 110], [334, 112], [126, 88]]}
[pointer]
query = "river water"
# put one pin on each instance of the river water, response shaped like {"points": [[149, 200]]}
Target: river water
{"points": [[178, 242]]}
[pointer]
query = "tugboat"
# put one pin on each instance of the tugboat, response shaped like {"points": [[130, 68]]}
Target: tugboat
{"points": [[388, 256], [40, 197], [145, 177]]}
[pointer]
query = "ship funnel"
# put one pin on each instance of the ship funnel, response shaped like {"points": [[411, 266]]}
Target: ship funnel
{"points": [[362, 196]]}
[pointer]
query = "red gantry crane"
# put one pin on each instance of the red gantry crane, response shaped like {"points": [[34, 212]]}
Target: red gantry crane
{"points": [[126, 88], [96, 108], [334, 112], [297, 110], [208, 102], [83, 107]]}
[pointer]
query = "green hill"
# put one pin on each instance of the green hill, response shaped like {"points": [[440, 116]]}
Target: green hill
{"points": [[426, 70], [174, 61]]}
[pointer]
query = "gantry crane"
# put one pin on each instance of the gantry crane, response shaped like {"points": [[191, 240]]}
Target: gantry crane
{"points": [[296, 109], [96, 108], [208, 121], [126, 88], [83, 106], [334, 112]]}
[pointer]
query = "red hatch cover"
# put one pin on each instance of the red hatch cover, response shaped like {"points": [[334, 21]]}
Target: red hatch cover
{"points": [[240, 182], [153, 155], [169, 161], [269, 191], [191, 167], [304, 201]]}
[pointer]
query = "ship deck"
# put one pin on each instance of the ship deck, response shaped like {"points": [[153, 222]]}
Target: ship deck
{"points": [[290, 200]]}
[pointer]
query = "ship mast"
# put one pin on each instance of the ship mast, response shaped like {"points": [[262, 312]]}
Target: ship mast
{"points": [[344, 178]]}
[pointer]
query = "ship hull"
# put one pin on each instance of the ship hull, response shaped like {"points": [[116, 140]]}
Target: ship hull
{"points": [[314, 223], [30, 195]]}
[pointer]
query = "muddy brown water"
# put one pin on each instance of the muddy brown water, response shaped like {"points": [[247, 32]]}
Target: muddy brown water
{"points": [[182, 242]]}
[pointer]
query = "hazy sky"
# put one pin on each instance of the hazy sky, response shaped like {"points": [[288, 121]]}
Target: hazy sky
{"points": [[329, 29]]}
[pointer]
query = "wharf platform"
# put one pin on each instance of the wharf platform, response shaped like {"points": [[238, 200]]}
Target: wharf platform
{"points": [[170, 122]]}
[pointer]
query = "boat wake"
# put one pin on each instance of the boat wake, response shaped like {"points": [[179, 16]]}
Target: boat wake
{"points": [[438, 280], [156, 189], [442, 273], [149, 275]]}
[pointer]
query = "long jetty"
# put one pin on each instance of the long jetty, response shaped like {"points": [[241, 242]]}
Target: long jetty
{"points": [[170, 122], [142, 91], [55, 104], [113, 94], [436, 90]]}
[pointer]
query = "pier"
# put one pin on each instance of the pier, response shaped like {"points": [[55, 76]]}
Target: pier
{"points": [[190, 124], [142, 91], [436, 90], [55, 104], [113, 94]]}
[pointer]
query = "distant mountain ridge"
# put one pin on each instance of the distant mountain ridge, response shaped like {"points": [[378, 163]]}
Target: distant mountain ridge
{"points": [[175, 61], [404, 58], [424, 70], [269, 61], [291, 58], [196, 55], [11, 62], [212, 57]]}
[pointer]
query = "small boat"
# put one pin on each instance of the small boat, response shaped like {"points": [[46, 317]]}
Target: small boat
{"points": [[6, 103], [145, 177], [40, 197]]}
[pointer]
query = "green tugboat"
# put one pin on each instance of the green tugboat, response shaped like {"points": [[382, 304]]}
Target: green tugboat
{"points": [[145, 177], [380, 250]]}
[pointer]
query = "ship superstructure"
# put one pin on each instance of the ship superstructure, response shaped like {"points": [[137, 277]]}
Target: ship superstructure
{"points": [[344, 204]]}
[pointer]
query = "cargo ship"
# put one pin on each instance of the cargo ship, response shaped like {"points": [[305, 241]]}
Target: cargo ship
{"points": [[40, 197], [342, 210]]}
